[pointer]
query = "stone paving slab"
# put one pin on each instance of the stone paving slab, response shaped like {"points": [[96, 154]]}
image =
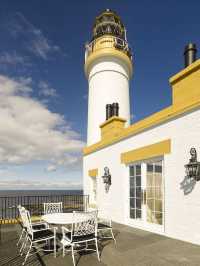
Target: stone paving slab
{"points": [[134, 248]]}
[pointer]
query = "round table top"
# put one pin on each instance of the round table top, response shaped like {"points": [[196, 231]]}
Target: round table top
{"points": [[60, 218]]}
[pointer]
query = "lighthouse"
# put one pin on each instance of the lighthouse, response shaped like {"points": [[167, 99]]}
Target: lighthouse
{"points": [[108, 68]]}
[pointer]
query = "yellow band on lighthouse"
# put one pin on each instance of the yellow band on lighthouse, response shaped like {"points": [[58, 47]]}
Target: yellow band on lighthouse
{"points": [[108, 52]]}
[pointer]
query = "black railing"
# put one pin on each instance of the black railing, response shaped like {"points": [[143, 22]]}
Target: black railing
{"points": [[9, 211]]}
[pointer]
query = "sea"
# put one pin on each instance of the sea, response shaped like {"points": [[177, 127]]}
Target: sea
{"points": [[14, 193]]}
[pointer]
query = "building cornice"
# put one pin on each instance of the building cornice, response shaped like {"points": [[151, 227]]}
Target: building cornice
{"points": [[185, 72]]}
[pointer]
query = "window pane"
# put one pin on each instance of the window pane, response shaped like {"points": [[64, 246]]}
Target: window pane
{"points": [[132, 202], [158, 193], [158, 217], [150, 192], [149, 167], [132, 192], [138, 213], [131, 171], [138, 192], [150, 179], [138, 169], [150, 205], [132, 181], [138, 181], [158, 179], [132, 213], [138, 203], [158, 205], [150, 216], [158, 168]]}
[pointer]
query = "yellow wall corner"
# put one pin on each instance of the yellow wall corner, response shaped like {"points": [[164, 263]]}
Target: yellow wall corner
{"points": [[185, 85]]}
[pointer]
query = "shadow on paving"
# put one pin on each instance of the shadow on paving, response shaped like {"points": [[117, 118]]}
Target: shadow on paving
{"points": [[134, 248]]}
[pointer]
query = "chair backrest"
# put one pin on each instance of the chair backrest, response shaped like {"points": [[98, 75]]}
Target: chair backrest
{"points": [[53, 207], [27, 222], [22, 214], [104, 217], [84, 223]]}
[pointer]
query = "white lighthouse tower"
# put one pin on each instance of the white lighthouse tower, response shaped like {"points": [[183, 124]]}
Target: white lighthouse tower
{"points": [[108, 68]]}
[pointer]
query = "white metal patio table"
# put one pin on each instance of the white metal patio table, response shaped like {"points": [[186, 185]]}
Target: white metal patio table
{"points": [[60, 218]]}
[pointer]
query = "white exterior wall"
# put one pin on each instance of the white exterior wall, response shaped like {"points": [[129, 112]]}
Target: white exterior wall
{"points": [[181, 212], [108, 83]]}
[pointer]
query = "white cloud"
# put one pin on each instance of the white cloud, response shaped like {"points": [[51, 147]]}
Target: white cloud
{"points": [[39, 185], [51, 168], [41, 45], [46, 89], [30, 132], [11, 58], [35, 40]]}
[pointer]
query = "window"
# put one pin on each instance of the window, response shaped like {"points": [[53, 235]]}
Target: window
{"points": [[135, 192], [154, 192], [93, 189], [146, 192]]}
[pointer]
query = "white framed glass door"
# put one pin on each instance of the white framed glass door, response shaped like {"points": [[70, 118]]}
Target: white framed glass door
{"points": [[135, 192], [146, 195], [154, 193]]}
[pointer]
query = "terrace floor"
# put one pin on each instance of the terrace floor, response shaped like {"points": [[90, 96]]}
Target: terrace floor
{"points": [[134, 247]]}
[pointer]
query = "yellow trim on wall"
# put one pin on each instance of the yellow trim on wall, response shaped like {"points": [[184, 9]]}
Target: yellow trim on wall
{"points": [[146, 152], [93, 172]]}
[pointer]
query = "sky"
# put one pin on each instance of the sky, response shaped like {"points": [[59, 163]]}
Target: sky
{"points": [[43, 89]]}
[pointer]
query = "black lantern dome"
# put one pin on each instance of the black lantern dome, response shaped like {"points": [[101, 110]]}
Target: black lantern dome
{"points": [[108, 40], [109, 23]]}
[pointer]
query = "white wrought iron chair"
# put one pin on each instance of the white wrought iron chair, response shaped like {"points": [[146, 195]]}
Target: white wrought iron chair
{"points": [[104, 224], [36, 237], [23, 232], [35, 225], [53, 207], [83, 231], [104, 227]]}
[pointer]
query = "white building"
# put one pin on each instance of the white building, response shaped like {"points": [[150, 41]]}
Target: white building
{"points": [[149, 187]]}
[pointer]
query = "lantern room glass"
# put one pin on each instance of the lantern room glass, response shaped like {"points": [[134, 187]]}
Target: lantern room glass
{"points": [[109, 23]]}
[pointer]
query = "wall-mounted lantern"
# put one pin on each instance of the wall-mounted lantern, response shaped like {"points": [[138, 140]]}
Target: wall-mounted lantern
{"points": [[106, 178], [193, 167]]}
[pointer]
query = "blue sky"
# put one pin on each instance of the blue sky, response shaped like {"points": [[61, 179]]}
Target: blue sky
{"points": [[43, 90]]}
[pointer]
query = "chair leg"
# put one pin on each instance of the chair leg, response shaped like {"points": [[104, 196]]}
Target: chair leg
{"points": [[63, 250], [21, 251], [20, 236], [97, 249], [27, 254], [113, 236], [54, 245], [74, 263]]}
